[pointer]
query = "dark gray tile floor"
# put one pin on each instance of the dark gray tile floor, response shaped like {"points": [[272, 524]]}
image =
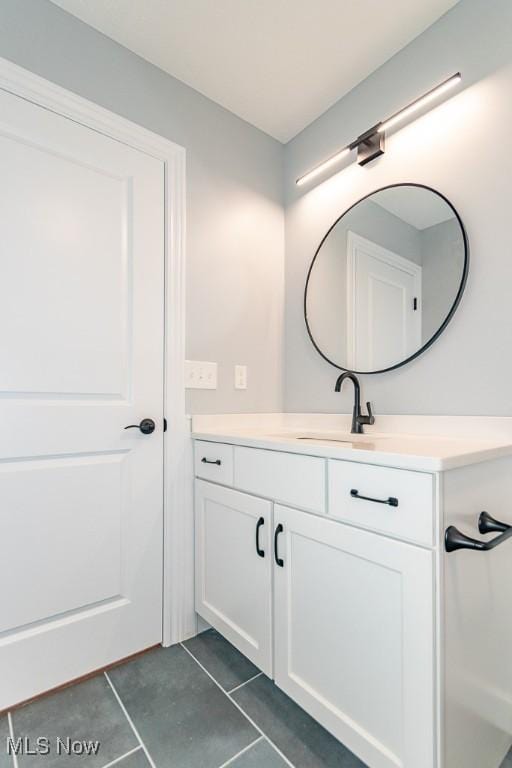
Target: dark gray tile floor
{"points": [[5, 760], [135, 760], [228, 666], [260, 755], [304, 742], [183, 718], [172, 708], [88, 712]]}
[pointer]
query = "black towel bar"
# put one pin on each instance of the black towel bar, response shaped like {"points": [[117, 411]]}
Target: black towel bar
{"points": [[454, 539]]}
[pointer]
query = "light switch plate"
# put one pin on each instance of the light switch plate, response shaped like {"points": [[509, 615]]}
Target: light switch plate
{"points": [[200, 375], [240, 377]]}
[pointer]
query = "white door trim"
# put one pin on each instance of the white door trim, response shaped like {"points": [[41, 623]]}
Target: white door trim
{"points": [[178, 609], [383, 254]]}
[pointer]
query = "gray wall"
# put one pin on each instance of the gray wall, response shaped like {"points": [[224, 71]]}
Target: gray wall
{"points": [[469, 370], [442, 252], [235, 237]]}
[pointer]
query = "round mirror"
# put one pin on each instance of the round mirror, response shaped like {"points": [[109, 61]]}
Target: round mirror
{"points": [[386, 279]]}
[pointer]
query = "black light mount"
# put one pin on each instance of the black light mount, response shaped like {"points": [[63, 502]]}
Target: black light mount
{"points": [[369, 145]]}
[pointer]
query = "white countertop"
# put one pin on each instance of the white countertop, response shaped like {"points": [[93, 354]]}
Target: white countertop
{"points": [[310, 436]]}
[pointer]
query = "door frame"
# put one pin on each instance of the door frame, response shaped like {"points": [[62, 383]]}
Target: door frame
{"points": [[178, 607], [387, 257]]}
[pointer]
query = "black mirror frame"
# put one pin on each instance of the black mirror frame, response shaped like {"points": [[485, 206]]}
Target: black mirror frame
{"points": [[453, 308]]}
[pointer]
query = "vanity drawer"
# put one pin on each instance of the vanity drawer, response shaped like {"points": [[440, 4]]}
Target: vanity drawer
{"points": [[400, 503], [214, 461], [287, 478]]}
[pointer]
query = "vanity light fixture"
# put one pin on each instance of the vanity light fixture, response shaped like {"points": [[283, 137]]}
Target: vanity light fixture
{"points": [[371, 143], [317, 170], [418, 104]]}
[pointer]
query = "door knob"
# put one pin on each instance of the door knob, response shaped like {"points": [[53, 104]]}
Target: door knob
{"points": [[147, 426]]}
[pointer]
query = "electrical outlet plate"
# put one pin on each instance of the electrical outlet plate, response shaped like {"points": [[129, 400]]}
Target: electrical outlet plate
{"points": [[200, 375], [240, 377]]}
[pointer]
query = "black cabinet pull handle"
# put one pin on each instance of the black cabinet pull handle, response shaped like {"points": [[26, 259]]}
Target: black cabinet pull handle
{"points": [[279, 560], [147, 426], [259, 550], [455, 539], [218, 462], [391, 500]]}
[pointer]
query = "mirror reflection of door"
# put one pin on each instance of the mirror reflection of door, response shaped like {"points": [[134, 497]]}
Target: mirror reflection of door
{"points": [[383, 300]]}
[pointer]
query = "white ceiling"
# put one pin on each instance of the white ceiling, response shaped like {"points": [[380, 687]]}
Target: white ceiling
{"points": [[276, 63], [420, 208]]}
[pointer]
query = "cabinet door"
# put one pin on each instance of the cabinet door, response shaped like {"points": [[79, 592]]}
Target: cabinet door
{"points": [[233, 580], [354, 636]]}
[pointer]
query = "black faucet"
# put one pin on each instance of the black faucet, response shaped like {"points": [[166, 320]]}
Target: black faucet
{"points": [[357, 418]]}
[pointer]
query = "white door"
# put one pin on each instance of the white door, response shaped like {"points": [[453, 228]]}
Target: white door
{"points": [[234, 568], [383, 305], [354, 636], [81, 357]]}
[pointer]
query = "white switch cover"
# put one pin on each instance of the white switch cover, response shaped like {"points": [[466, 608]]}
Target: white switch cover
{"points": [[240, 377], [200, 375]]}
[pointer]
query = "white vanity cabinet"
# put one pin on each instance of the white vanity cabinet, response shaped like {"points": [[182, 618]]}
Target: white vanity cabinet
{"points": [[331, 576], [353, 636], [341, 618], [234, 568]]}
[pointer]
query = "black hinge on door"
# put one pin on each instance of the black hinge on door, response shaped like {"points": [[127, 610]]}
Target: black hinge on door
{"points": [[415, 304], [165, 425]]}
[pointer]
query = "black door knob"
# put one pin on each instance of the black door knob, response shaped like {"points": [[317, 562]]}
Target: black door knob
{"points": [[147, 426]]}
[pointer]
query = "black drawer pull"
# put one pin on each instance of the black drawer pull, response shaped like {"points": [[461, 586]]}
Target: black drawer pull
{"points": [[259, 550], [279, 560], [391, 500], [218, 462], [455, 539]]}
